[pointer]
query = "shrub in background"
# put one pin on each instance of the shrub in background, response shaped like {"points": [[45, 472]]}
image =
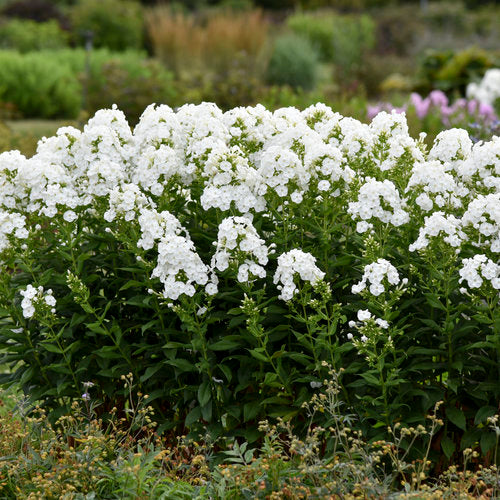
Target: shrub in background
{"points": [[354, 38], [27, 35], [451, 71], [132, 89], [293, 62], [36, 10], [397, 29], [38, 86], [318, 29], [235, 86], [116, 24], [50, 84], [341, 39]]}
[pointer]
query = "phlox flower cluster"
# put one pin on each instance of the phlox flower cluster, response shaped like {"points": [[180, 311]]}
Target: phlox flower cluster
{"points": [[483, 217], [487, 91], [36, 299], [231, 179], [295, 263], [438, 187], [439, 226], [375, 274], [239, 242], [180, 171], [479, 268], [11, 225], [379, 200]]}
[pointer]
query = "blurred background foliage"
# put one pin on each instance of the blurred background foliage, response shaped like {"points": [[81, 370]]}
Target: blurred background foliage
{"points": [[346, 53]]}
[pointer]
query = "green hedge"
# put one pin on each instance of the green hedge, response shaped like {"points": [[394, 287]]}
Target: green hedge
{"points": [[50, 84]]}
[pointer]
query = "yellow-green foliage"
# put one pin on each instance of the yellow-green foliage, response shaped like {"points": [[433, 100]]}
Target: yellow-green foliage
{"points": [[25, 35]]}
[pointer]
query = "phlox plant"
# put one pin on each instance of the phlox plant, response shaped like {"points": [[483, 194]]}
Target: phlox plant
{"points": [[225, 259]]}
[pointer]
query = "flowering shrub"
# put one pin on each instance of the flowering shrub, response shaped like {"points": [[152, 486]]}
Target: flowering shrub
{"points": [[222, 258], [435, 112]]}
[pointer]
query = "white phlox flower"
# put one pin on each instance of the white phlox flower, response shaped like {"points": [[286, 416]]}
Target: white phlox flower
{"points": [[249, 128], [12, 225], [479, 268], [179, 267], [436, 186], [282, 171], [373, 200], [375, 274], [239, 242], [35, 299], [293, 263], [324, 162], [230, 180], [481, 221], [447, 227], [488, 89], [450, 146], [482, 167], [392, 142], [126, 201]]}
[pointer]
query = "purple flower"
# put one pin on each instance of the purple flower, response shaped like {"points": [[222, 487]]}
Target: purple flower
{"points": [[487, 111], [421, 105], [438, 98], [373, 111]]}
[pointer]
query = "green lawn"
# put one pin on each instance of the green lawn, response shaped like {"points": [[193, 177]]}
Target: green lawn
{"points": [[24, 134]]}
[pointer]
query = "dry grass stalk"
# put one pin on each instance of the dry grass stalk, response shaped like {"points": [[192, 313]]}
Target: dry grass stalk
{"points": [[186, 42]]}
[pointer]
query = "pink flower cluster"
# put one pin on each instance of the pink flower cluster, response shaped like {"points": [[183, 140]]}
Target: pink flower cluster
{"points": [[462, 110]]}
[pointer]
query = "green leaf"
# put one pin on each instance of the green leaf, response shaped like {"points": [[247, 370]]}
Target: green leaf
{"points": [[226, 371], [226, 344], [483, 413], [370, 378], [150, 371], [132, 283], [108, 352], [51, 347], [238, 320], [96, 328], [204, 393], [470, 438], [448, 447], [251, 410], [182, 364], [488, 441], [452, 384], [193, 416], [206, 411], [271, 379], [27, 375], [433, 301], [457, 417], [257, 354]]}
